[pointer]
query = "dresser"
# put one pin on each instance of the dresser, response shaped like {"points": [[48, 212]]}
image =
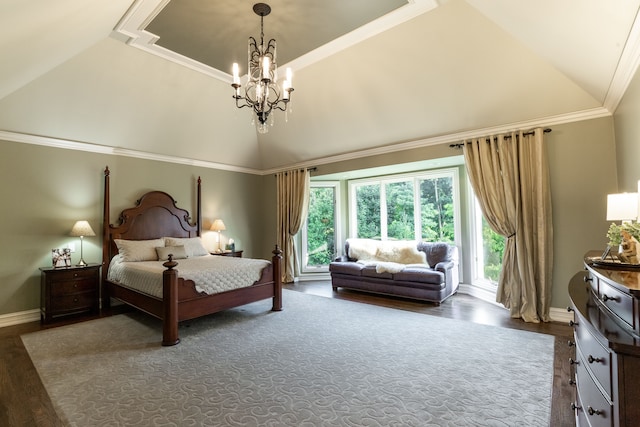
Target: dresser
{"points": [[70, 290], [606, 325]]}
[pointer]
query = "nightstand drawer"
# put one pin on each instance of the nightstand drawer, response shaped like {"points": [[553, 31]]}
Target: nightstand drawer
{"points": [[73, 302], [64, 275], [75, 286]]}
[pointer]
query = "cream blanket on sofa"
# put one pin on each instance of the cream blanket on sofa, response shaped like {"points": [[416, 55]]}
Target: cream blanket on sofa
{"points": [[387, 256]]}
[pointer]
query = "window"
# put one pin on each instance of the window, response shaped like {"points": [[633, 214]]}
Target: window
{"points": [[423, 206], [489, 249], [319, 233]]}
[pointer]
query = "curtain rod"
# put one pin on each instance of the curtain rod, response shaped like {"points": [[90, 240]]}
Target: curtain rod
{"points": [[461, 144], [311, 169]]}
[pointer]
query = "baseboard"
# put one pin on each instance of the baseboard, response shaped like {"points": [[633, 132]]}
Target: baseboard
{"points": [[19, 317], [556, 314]]}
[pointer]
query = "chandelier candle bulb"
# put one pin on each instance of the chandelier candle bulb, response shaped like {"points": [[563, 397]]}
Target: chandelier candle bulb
{"points": [[265, 68], [285, 90], [289, 76], [236, 74]]}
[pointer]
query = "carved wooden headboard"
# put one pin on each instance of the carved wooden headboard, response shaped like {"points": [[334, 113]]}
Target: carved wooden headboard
{"points": [[154, 216]]}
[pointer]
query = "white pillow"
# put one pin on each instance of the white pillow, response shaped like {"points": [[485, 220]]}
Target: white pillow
{"points": [[193, 245], [138, 250], [178, 252]]}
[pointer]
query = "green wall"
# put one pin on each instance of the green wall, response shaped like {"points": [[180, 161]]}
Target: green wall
{"points": [[582, 165], [45, 190]]}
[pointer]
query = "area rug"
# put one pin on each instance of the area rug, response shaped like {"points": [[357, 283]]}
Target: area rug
{"points": [[320, 362]]}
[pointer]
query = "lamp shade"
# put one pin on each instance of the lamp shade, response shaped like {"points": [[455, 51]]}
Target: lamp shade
{"points": [[82, 229], [622, 207], [218, 225]]}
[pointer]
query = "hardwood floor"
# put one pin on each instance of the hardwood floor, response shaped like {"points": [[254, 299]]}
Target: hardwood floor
{"points": [[24, 401]]}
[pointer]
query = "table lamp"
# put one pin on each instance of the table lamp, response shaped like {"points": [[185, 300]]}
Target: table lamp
{"points": [[218, 226], [82, 229], [622, 207]]}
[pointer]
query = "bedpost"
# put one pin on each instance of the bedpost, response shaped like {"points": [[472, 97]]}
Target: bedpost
{"points": [[277, 279], [170, 303], [199, 209], [104, 297]]}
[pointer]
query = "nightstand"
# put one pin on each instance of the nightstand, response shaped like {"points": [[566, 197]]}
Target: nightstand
{"points": [[70, 290], [237, 254]]}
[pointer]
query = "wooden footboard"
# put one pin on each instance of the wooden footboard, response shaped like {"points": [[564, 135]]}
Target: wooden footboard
{"points": [[182, 302]]}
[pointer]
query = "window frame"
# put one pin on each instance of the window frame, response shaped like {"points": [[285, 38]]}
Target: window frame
{"points": [[415, 177], [304, 269]]}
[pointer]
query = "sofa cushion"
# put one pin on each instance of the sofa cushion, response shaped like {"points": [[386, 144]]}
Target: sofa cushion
{"points": [[352, 268], [420, 275], [370, 271]]}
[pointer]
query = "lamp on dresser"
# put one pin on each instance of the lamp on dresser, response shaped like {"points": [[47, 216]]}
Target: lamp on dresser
{"points": [[218, 226], [622, 207], [82, 229]]}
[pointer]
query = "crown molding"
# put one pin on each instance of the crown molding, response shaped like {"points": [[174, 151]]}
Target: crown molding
{"points": [[131, 30], [627, 67], [118, 151], [419, 143], [577, 116]]}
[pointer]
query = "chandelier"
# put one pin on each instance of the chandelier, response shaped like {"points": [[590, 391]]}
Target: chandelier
{"points": [[261, 92]]}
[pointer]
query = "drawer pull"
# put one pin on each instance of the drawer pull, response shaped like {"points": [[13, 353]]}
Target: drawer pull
{"points": [[591, 359], [572, 382], [574, 406], [75, 300], [592, 411], [569, 309], [571, 343], [572, 323], [573, 362], [587, 279], [605, 297]]}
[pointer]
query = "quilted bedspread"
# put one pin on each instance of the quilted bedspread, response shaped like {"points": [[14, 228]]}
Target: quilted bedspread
{"points": [[211, 274]]}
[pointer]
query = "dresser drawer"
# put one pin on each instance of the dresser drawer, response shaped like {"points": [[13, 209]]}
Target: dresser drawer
{"points": [[593, 405], [595, 357], [618, 302]]}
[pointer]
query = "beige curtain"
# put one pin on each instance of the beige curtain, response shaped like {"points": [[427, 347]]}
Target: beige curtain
{"points": [[293, 203], [510, 177]]}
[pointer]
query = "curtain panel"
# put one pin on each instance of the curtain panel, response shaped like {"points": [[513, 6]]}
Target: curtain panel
{"points": [[293, 202], [509, 175]]}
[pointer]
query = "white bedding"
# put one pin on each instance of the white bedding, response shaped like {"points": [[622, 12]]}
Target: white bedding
{"points": [[211, 274]]}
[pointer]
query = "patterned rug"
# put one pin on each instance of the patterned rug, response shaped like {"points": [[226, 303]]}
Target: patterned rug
{"points": [[320, 362]]}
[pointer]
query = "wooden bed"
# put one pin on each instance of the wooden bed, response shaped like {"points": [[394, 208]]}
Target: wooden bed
{"points": [[154, 216]]}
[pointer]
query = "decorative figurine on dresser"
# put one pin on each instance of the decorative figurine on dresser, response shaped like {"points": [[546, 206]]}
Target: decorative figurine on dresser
{"points": [[605, 300]]}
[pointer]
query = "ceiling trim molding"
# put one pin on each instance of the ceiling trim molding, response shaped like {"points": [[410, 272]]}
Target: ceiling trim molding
{"points": [[394, 18], [626, 69], [590, 114], [118, 151], [425, 142], [130, 29]]}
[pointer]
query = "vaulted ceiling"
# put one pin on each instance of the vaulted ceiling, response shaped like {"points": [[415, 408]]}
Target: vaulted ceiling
{"points": [[150, 78]]}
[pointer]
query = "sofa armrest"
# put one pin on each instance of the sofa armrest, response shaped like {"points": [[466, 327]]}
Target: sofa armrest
{"points": [[443, 266], [343, 258]]}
